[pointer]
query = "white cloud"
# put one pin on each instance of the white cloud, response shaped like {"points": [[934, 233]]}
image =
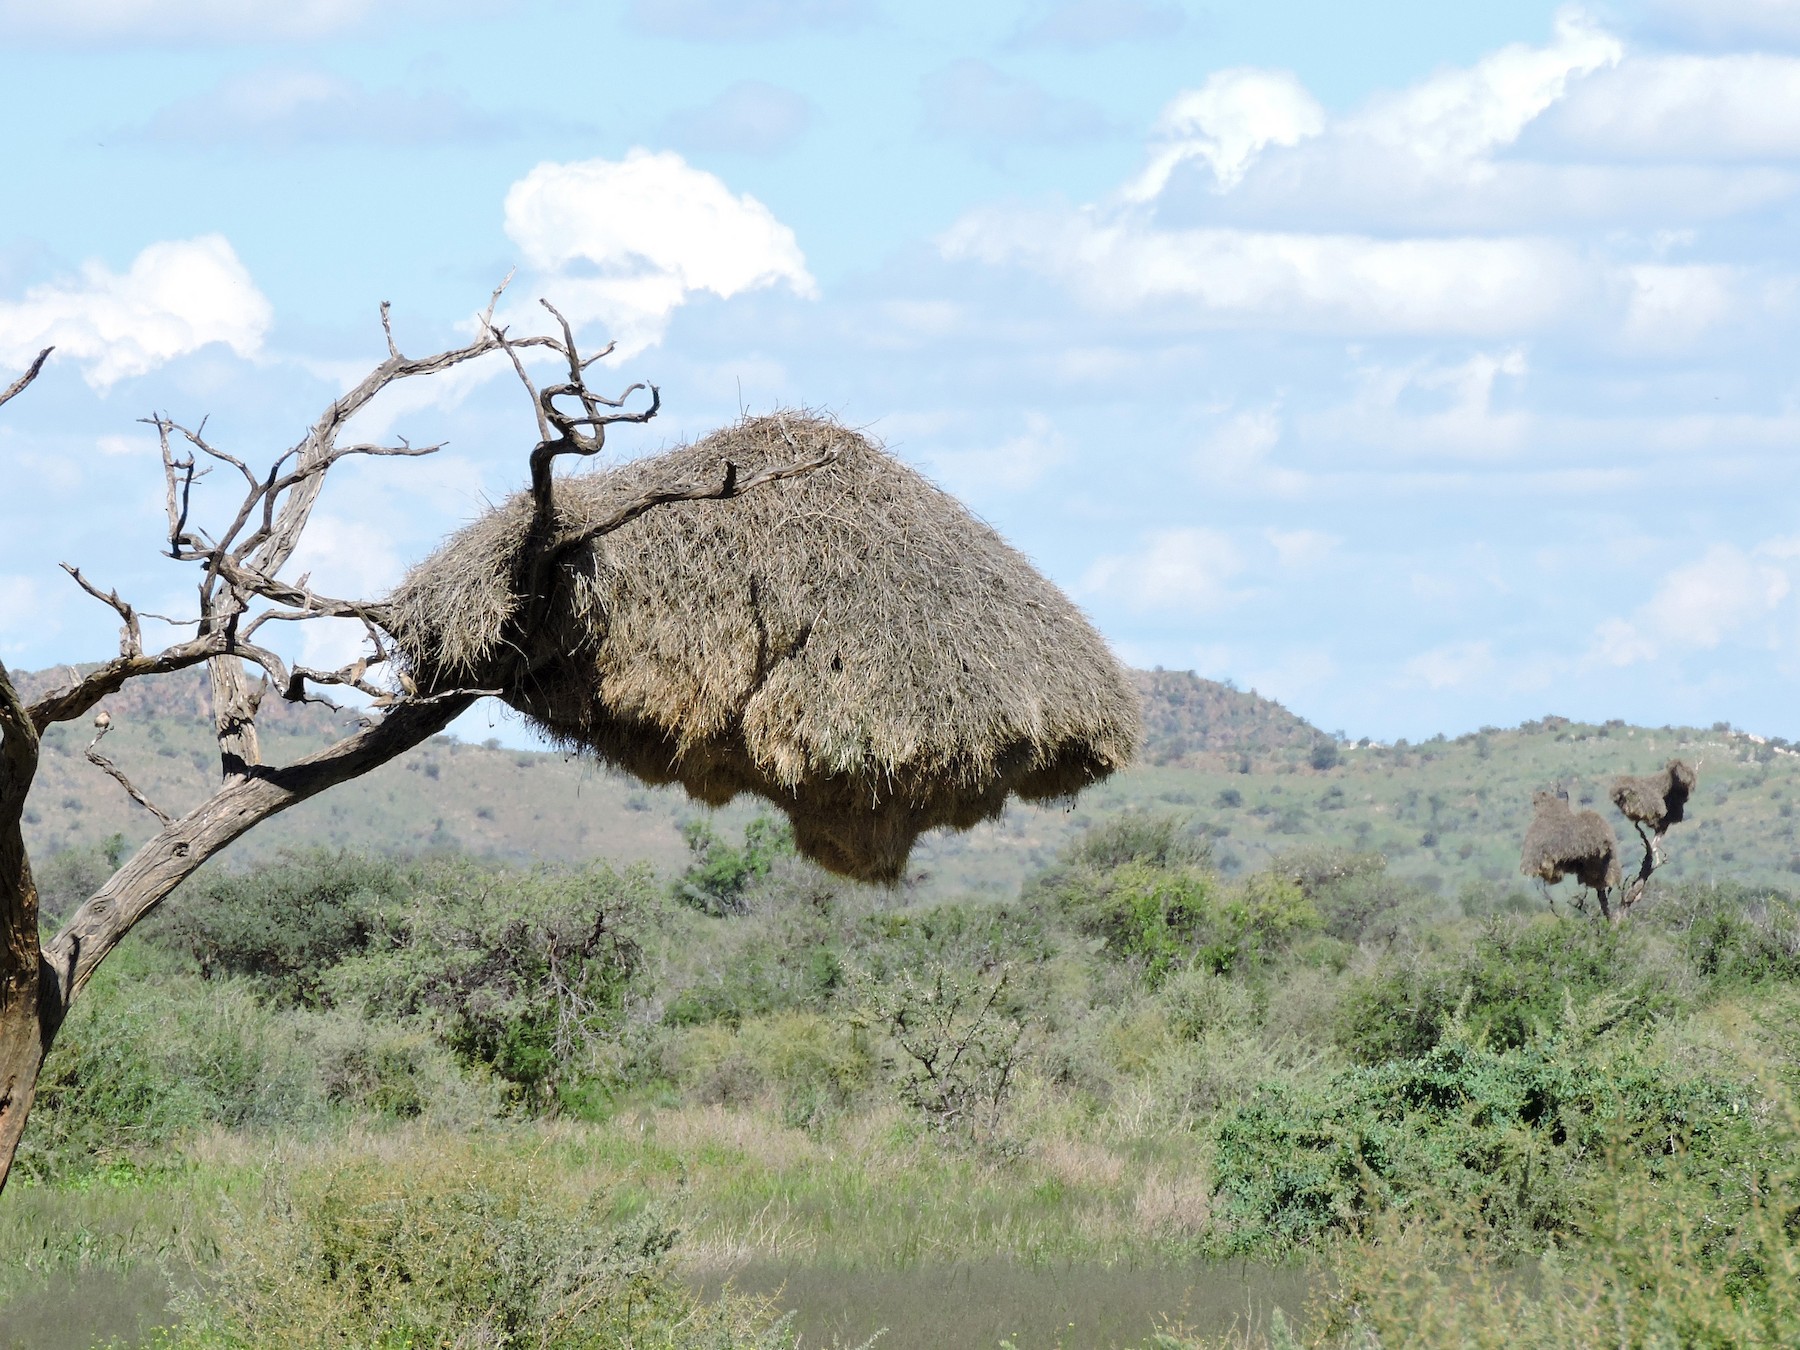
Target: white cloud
{"points": [[627, 242], [1452, 666], [1081, 25], [177, 297], [300, 106], [1312, 282], [1685, 107], [1671, 306], [1226, 124], [1429, 408], [1698, 606], [352, 559], [1451, 121], [1185, 570], [751, 117], [1729, 23], [112, 23]]}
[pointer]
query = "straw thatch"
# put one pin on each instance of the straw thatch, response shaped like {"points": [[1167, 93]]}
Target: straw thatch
{"points": [[1562, 842], [849, 643], [1658, 800]]}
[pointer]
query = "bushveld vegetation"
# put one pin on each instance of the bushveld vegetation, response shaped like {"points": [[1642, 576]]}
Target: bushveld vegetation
{"points": [[358, 1100]]}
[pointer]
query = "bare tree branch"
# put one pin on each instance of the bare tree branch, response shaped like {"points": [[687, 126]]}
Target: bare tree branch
{"points": [[69, 702], [241, 588], [17, 387], [94, 757], [182, 845]]}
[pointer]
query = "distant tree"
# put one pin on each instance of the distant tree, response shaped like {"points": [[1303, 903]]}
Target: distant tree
{"points": [[241, 589], [1562, 842]]}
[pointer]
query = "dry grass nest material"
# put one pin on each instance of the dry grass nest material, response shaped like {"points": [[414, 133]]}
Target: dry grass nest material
{"points": [[849, 643], [1658, 800], [1562, 842]]}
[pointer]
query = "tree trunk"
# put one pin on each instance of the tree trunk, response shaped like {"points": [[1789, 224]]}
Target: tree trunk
{"points": [[30, 995], [30, 1002], [36, 985]]}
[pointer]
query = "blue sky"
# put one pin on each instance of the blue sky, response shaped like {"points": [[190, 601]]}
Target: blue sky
{"points": [[1423, 366]]}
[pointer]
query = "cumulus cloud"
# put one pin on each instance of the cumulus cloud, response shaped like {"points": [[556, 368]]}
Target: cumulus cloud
{"points": [[1081, 25], [750, 118], [1685, 107], [1416, 214], [294, 107], [1184, 570], [627, 242], [1341, 283], [347, 557], [1226, 124], [1436, 408], [112, 23], [1452, 120], [1727, 23], [1698, 606], [744, 20], [972, 101], [176, 297]]}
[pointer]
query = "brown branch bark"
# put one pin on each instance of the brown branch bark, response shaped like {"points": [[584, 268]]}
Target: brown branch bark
{"points": [[27, 1019], [17, 387]]}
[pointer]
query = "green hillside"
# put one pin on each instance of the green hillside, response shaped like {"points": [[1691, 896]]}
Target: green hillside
{"points": [[1252, 777]]}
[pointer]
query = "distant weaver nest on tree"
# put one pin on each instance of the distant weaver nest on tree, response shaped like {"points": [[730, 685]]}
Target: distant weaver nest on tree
{"points": [[1562, 842]]}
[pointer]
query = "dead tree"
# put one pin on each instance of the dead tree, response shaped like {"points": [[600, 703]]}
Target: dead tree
{"points": [[1562, 842], [1652, 803], [241, 590]]}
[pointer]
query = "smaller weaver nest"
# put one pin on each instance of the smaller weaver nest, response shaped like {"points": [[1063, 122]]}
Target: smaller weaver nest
{"points": [[1562, 842], [1658, 800]]}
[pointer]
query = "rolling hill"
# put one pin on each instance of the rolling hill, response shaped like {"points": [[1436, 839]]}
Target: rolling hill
{"points": [[1254, 778]]}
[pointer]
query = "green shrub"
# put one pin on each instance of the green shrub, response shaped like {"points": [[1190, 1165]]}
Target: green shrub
{"points": [[147, 1055], [1511, 1136], [1352, 892], [1133, 837], [285, 923], [1731, 934], [520, 972], [957, 1038], [1511, 982], [719, 874], [1666, 1258], [811, 1065], [392, 1068], [439, 1246]]}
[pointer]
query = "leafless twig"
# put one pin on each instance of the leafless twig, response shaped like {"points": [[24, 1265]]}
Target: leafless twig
{"points": [[104, 723], [17, 387]]}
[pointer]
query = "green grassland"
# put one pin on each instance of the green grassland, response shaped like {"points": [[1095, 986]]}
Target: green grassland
{"points": [[347, 1099], [1263, 1043]]}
